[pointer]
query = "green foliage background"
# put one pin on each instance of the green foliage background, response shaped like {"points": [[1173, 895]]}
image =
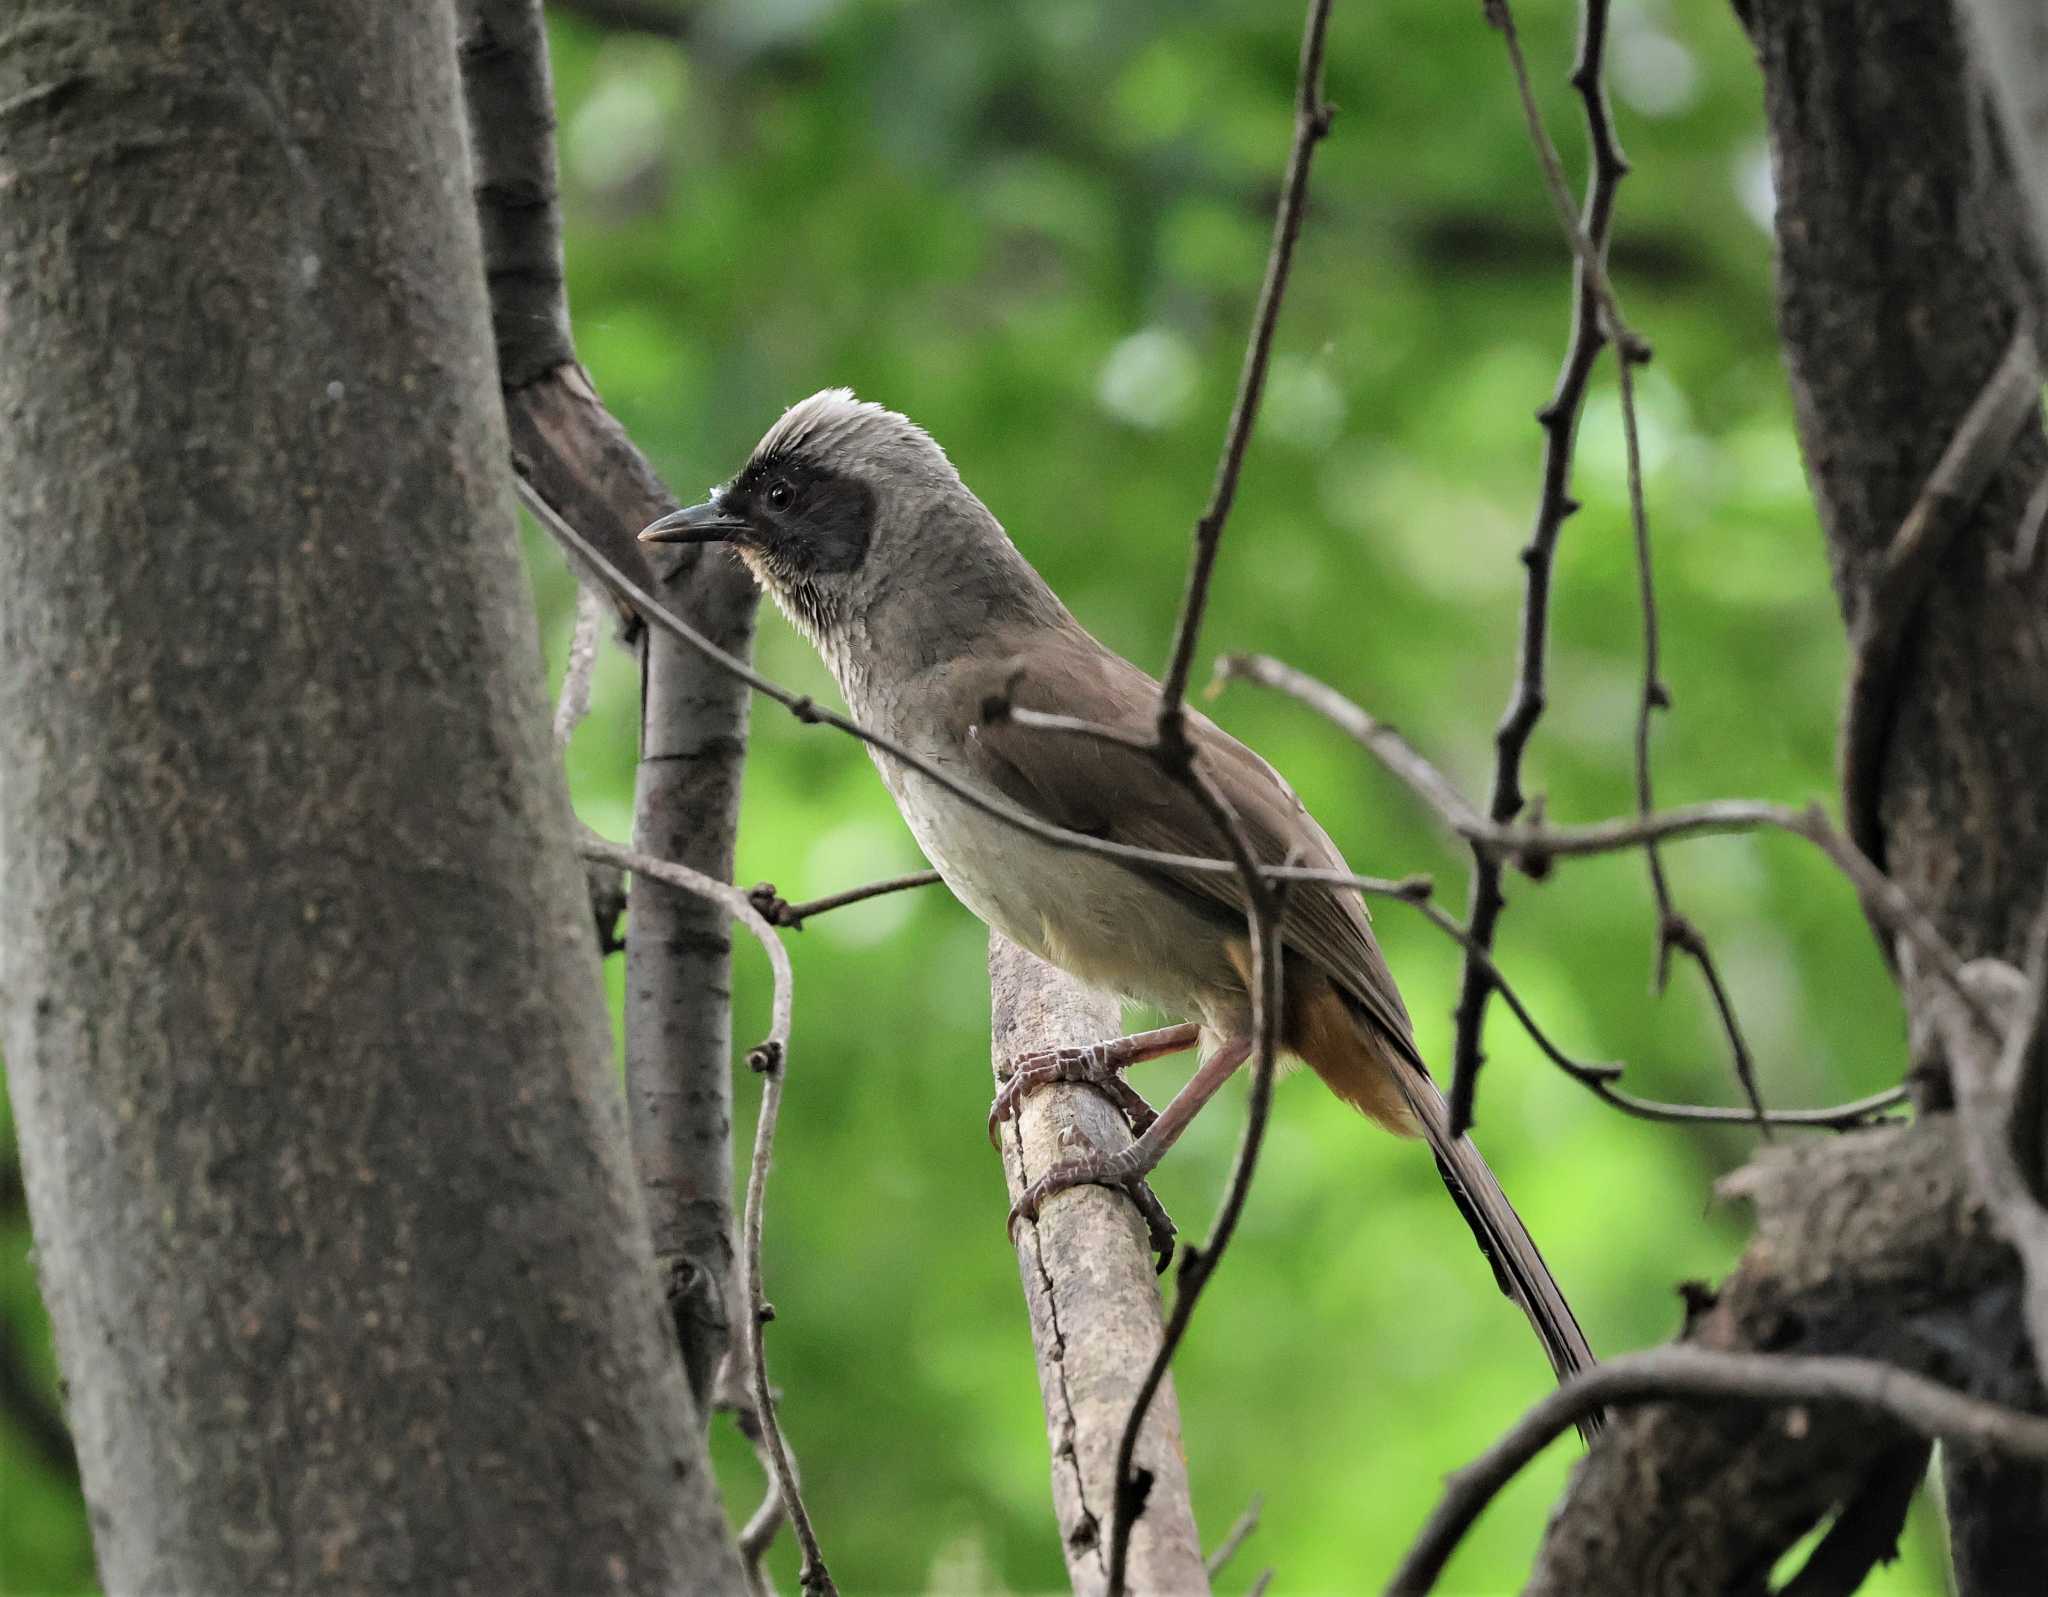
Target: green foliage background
{"points": [[1038, 229]]}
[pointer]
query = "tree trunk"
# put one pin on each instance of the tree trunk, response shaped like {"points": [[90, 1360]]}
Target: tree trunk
{"points": [[1903, 272], [324, 1154]]}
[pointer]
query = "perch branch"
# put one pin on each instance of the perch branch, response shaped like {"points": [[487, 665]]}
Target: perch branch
{"points": [[1087, 1273]]}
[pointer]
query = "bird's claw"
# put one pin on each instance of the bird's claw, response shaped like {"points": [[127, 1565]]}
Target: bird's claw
{"points": [[1092, 1065], [1105, 1170]]}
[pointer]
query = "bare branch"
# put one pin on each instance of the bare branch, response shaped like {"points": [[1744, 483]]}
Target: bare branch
{"points": [[734, 1395], [1385, 742], [1997, 1090], [1559, 420], [1234, 1538], [574, 703], [772, 1062], [769, 1057], [1689, 1374], [1674, 931], [1198, 1263], [1588, 250], [1534, 847], [1878, 640], [1599, 1079], [778, 911], [735, 902], [1086, 1268], [1311, 123]]}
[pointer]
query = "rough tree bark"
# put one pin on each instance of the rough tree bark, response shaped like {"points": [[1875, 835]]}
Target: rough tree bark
{"points": [[1903, 273], [1086, 1265], [324, 1157], [693, 725]]}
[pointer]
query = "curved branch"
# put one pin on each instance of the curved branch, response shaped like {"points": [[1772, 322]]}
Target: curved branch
{"points": [[769, 1057], [1687, 1374]]}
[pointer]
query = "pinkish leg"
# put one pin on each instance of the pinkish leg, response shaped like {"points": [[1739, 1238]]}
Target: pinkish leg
{"points": [[1100, 1064], [1127, 1167]]}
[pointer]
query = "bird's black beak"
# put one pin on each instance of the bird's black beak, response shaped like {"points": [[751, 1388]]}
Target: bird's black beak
{"points": [[705, 523]]}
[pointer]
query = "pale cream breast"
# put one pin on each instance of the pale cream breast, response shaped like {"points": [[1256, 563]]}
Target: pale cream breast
{"points": [[1098, 920]]}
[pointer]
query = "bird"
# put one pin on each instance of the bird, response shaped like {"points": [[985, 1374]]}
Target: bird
{"points": [[937, 629]]}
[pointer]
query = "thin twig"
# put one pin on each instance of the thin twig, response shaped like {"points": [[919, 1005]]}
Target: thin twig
{"points": [[1265, 902], [1497, 843], [1311, 123], [1589, 252], [1599, 1079], [736, 903], [778, 911], [1674, 931], [1234, 1538], [1385, 742], [574, 703], [1671, 1374], [813, 1576], [1559, 420], [735, 1395], [769, 1058]]}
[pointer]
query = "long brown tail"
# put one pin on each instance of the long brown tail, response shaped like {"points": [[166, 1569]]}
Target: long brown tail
{"points": [[1374, 1067], [1517, 1264]]}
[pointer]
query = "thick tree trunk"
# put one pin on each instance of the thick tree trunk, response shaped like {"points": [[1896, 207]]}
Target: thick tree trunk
{"points": [[1903, 273], [324, 1155]]}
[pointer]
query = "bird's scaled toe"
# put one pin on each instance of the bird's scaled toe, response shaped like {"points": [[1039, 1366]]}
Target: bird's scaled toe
{"points": [[1027, 1073], [1097, 1169]]}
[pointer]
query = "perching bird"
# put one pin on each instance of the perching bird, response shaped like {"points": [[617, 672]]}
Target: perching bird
{"points": [[852, 517]]}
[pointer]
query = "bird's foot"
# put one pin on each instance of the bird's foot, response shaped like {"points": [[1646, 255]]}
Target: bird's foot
{"points": [[1098, 1065], [1096, 1168]]}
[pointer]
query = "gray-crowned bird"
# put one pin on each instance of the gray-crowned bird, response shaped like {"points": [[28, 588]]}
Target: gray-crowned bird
{"points": [[855, 521]]}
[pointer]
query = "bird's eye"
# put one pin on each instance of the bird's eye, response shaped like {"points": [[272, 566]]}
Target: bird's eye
{"points": [[779, 495]]}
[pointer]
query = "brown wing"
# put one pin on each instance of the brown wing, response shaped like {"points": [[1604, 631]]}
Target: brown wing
{"points": [[1088, 785]]}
